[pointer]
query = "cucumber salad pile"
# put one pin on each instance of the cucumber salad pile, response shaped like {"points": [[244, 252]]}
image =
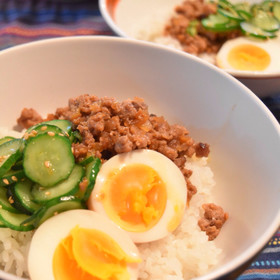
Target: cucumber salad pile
{"points": [[39, 177], [260, 20]]}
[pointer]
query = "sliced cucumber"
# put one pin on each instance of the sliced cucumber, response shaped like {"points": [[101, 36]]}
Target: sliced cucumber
{"points": [[219, 23], [52, 208], [6, 202], [245, 15], [21, 193], [65, 125], [6, 139], [44, 128], [276, 11], [86, 161], [66, 187], [267, 5], [231, 14], [265, 21], [48, 159], [11, 177], [252, 30], [15, 221], [10, 152], [92, 170], [243, 6]]}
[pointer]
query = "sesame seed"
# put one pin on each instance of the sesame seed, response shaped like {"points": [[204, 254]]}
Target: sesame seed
{"points": [[1, 206], [11, 200], [43, 128], [60, 134], [6, 181], [47, 193], [26, 135], [14, 178], [50, 133], [47, 163], [55, 213]]}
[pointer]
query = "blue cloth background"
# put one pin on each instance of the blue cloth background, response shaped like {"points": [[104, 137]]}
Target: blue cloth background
{"points": [[23, 21]]}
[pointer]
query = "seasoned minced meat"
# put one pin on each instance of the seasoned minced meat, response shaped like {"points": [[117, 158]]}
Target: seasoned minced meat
{"points": [[109, 127], [204, 41], [29, 117], [213, 220]]}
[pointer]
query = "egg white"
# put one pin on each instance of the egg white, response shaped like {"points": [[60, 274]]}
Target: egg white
{"points": [[271, 46], [170, 174], [50, 233]]}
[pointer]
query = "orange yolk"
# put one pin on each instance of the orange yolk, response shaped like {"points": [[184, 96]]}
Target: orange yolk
{"points": [[134, 197], [248, 57], [90, 254]]}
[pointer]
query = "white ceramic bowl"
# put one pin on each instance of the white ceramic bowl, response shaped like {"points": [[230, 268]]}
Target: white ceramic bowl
{"points": [[129, 18], [216, 108]]}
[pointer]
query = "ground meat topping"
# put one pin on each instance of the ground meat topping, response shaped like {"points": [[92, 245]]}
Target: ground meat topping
{"points": [[204, 41], [213, 220], [29, 117], [109, 127]]}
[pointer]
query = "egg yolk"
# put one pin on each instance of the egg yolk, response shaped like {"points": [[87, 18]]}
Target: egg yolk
{"points": [[248, 57], [90, 254], [134, 197]]}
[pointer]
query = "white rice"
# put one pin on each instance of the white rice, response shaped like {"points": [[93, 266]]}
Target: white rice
{"points": [[184, 254]]}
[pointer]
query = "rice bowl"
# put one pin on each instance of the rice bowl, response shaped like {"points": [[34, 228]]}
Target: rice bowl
{"points": [[133, 21], [216, 125]]}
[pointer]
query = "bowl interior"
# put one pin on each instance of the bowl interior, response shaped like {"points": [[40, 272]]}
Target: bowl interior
{"points": [[216, 108]]}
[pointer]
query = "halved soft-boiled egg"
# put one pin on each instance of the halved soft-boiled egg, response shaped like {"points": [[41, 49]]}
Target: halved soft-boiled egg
{"points": [[248, 54], [82, 244], [143, 192]]}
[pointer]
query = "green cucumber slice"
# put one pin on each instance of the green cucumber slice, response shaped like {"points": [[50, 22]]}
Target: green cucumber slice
{"points": [[92, 170], [47, 160], [22, 196], [6, 139], [276, 10], [265, 21], [243, 6], [245, 15], [232, 14], [66, 187], [11, 177], [219, 23], [52, 208], [65, 125], [267, 5], [254, 31], [86, 161], [43, 128], [10, 152], [5, 202], [15, 221]]}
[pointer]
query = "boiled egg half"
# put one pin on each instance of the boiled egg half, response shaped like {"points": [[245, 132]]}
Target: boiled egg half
{"points": [[246, 54], [143, 192], [81, 244]]}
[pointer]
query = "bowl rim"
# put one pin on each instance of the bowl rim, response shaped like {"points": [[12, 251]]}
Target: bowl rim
{"points": [[254, 75], [261, 242]]}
